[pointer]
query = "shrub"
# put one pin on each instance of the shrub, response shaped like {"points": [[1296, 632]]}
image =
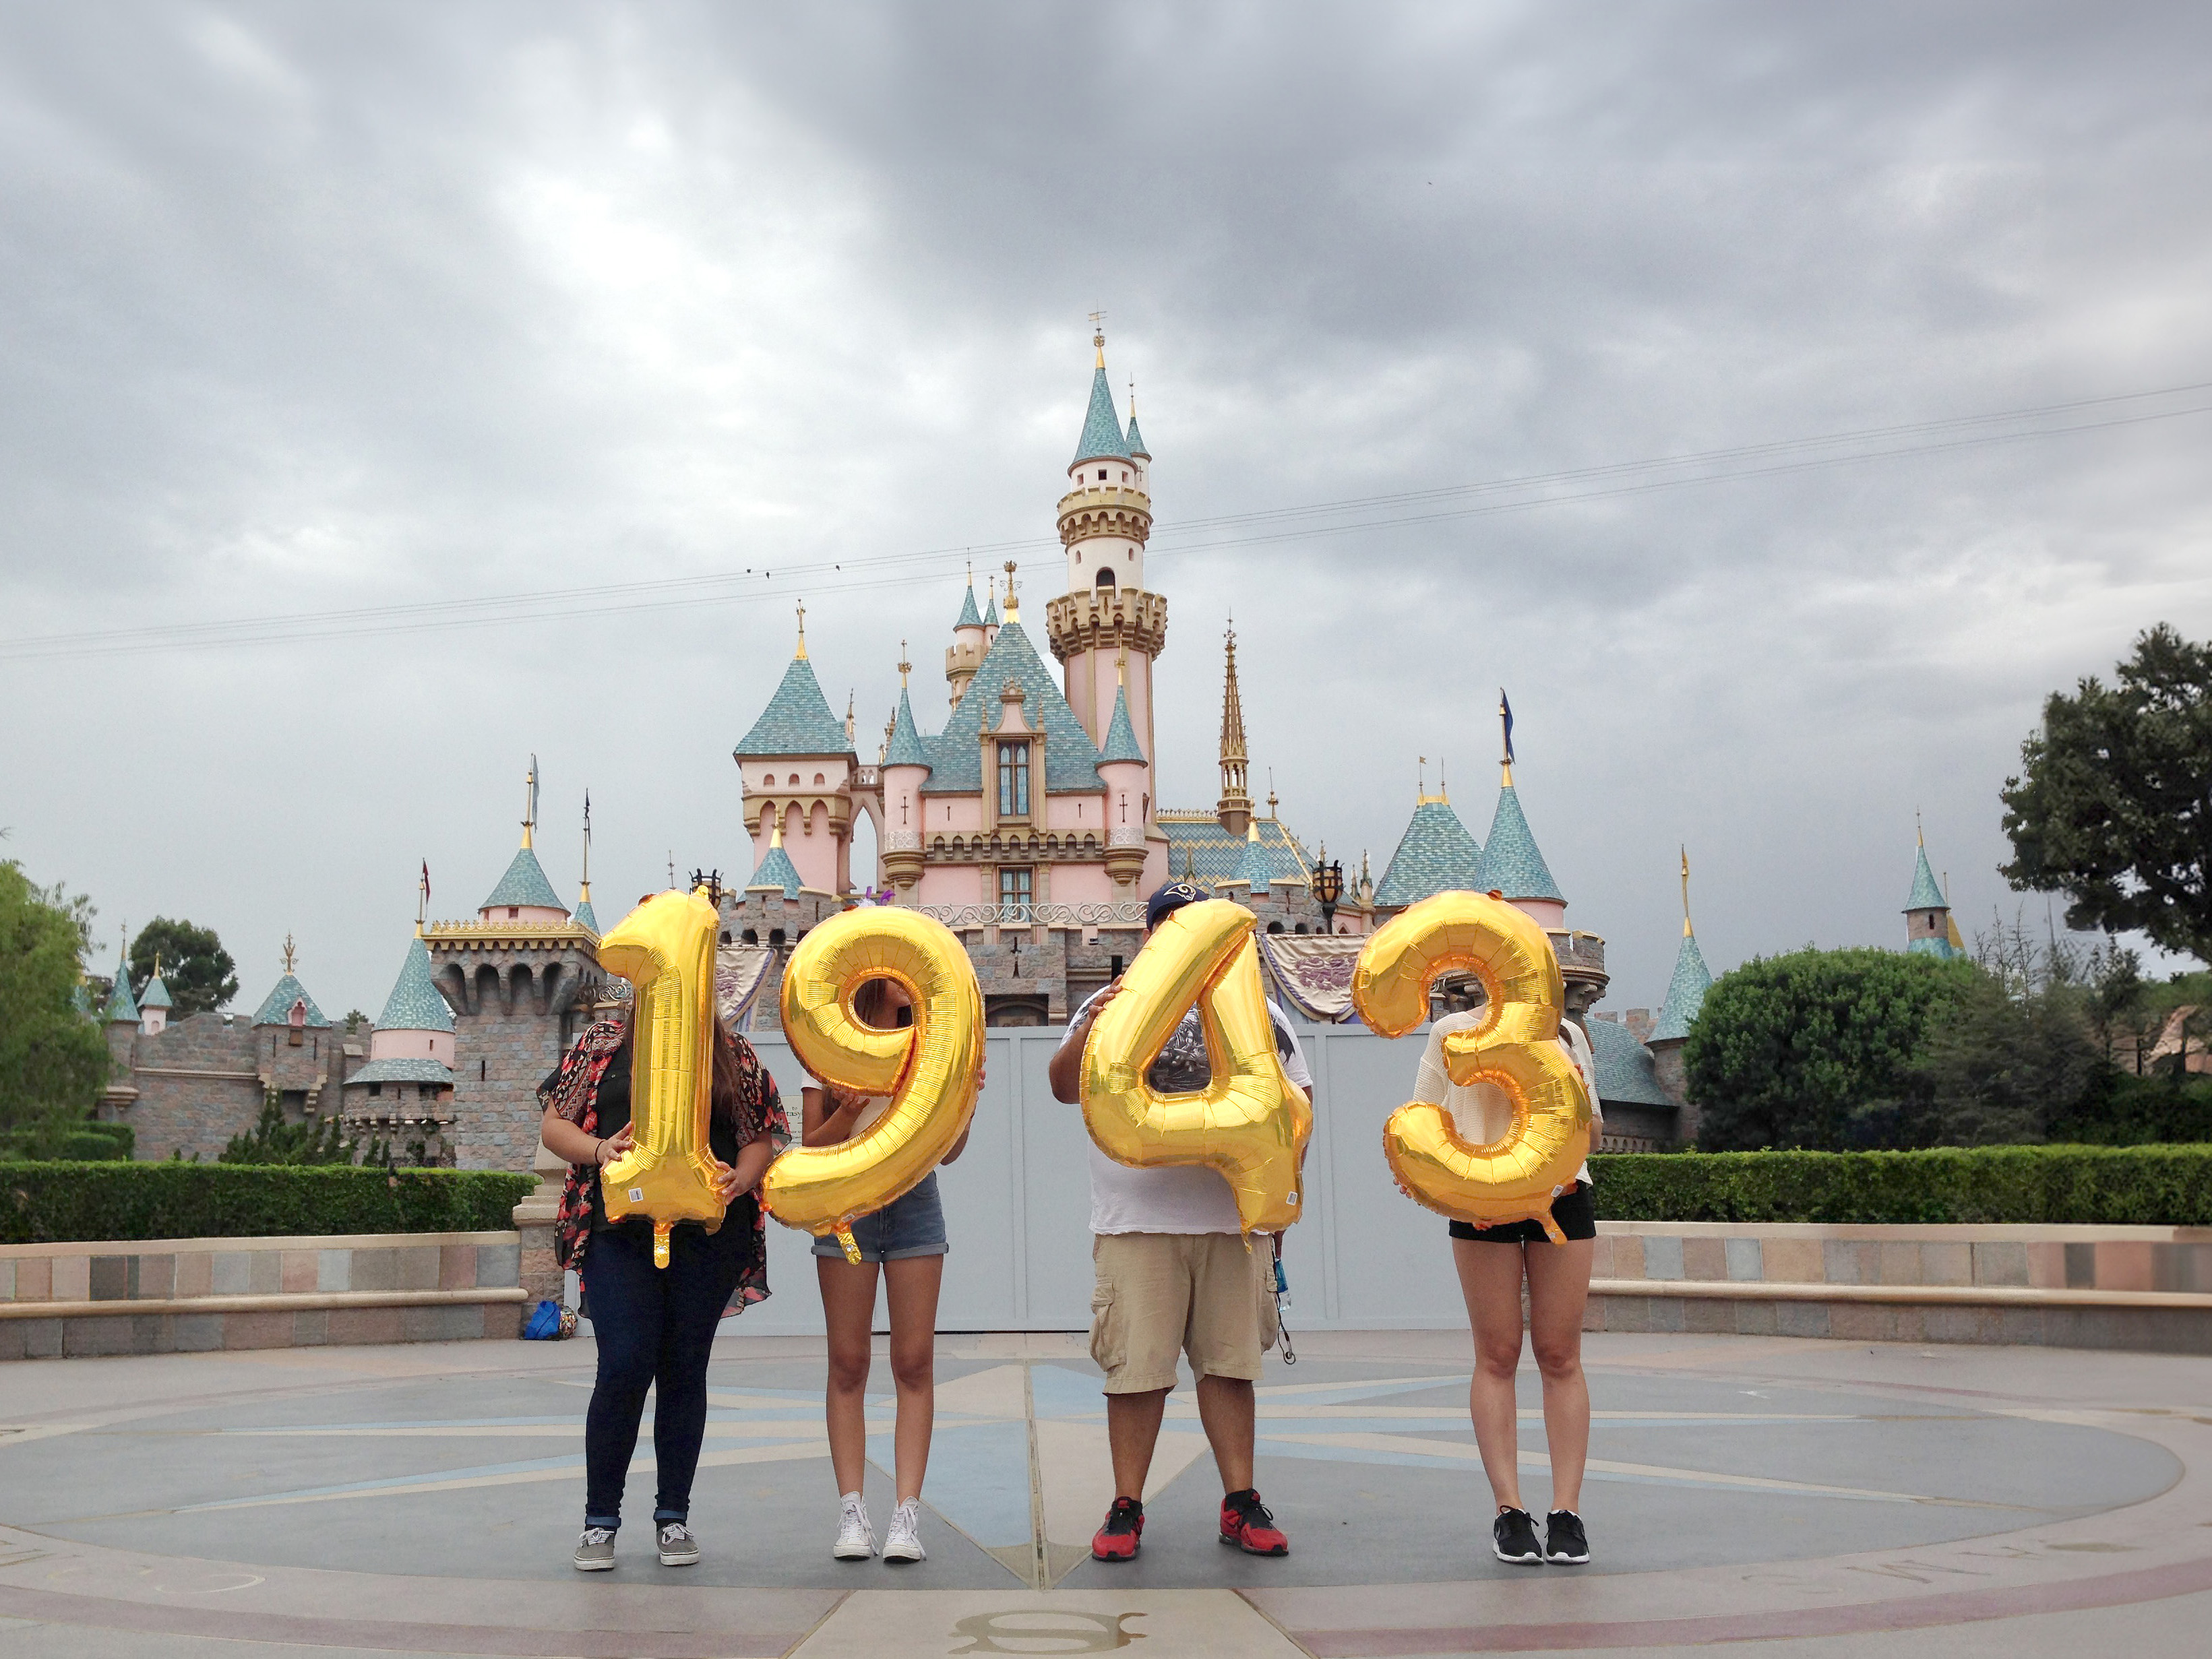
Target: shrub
{"points": [[2140, 1111], [1809, 1050], [52, 1202], [2112, 1186]]}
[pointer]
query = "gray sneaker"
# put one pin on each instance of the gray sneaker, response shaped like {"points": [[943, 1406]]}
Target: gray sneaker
{"points": [[678, 1548], [595, 1550]]}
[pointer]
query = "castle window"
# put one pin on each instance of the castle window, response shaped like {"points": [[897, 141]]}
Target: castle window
{"points": [[513, 911], [1014, 890], [1014, 780], [794, 779], [726, 936], [751, 936], [1101, 474], [775, 936], [1274, 926], [1125, 475], [375, 1090], [1105, 578], [818, 779]]}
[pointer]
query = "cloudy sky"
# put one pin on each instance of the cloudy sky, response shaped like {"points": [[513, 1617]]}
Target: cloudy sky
{"points": [[321, 325]]}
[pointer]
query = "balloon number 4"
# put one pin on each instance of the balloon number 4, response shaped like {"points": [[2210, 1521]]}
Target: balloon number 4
{"points": [[929, 1068], [666, 948], [1515, 1048], [1251, 1123]]}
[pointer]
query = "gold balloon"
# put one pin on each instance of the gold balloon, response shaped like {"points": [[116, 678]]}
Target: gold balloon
{"points": [[929, 1068], [1515, 1048], [666, 948], [1250, 1122]]}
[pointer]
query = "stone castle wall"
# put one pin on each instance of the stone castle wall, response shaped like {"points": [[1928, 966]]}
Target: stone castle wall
{"points": [[203, 1079]]}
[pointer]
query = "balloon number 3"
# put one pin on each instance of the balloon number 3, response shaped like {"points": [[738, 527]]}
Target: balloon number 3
{"points": [[1515, 1048], [1250, 1122], [666, 949], [929, 1069]]}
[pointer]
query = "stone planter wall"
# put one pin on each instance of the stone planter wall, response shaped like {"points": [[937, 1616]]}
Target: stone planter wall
{"points": [[194, 1294], [2092, 1287]]}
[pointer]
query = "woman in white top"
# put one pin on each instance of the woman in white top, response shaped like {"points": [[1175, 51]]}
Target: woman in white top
{"points": [[1492, 1263], [906, 1242]]}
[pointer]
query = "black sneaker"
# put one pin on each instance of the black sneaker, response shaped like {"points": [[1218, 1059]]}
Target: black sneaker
{"points": [[1513, 1538], [1565, 1540]]}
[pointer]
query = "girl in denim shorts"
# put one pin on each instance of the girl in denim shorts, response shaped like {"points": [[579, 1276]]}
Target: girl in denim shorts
{"points": [[905, 1242]]}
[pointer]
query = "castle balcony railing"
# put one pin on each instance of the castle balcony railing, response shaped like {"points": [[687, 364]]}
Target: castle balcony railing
{"points": [[867, 777], [1126, 834], [902, 841], [1127, 914]]}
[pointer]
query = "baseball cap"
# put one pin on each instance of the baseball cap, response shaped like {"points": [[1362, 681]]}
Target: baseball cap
{"points": [[1170, 899]]}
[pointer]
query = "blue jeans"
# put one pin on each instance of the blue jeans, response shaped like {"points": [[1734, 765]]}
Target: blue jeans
{"points": [[911, 1225], [655, 1329]]}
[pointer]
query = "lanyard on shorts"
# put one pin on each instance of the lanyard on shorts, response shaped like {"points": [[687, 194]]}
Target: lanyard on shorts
{"points": [[1283, 1300]]}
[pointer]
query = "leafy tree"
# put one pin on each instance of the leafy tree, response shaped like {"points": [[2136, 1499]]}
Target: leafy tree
{"points": [[53, 1061], [272, 1140], [198, 971], [2113, 805], [1798, 1050]]}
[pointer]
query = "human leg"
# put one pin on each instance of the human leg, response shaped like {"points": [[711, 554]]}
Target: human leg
{"points": [[1226, 1413], [848, 1310], [910, 1286], [1490, 1279], [702, 1272], [626, 1320], [1132, 1429], [1558, 1290]]}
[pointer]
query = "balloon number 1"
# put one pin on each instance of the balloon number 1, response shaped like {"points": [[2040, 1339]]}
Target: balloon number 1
{"points": [[929, 1069], [666, 949], [1250, 1122], [1515, 1048]]}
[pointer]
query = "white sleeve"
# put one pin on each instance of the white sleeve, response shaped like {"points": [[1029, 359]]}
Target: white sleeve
{"points": [[1430, 1081], [1294, 1063]]}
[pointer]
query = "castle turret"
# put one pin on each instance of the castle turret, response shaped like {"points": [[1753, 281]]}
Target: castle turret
{"points": [[1928, 928], [1514, 868], [906, 769], [1122, 764], [1104, 612], [1435, 855], [515, 979], [1234, 808], [1686, 995], [798, 766], [154, 1004], [969, 642], [407, 1086]]}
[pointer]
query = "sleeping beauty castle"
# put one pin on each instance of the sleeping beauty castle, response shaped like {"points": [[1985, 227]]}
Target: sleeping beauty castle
{"points": [[1029, 822]]}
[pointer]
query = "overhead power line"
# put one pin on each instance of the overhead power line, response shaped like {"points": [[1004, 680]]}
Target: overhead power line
{"points": [[767, 581]]}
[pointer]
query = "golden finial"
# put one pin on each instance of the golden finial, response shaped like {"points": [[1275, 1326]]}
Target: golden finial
{"points": [[1443, 788], [1421, 781], [586, 897], [291, 954], [1098, 335], [776, 837], [1919, 833], [1270, 797], [529, 803], [422, 884], [802, 630], [905, 667], [1686, 892], [1122, 666], [1014, 611]]}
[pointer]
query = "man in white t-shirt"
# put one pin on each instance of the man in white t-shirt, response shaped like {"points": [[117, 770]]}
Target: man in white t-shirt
{"points": [[1175, 1275]]}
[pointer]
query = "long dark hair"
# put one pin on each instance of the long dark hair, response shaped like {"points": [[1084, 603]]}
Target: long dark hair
{"points": [[732, 1106]]}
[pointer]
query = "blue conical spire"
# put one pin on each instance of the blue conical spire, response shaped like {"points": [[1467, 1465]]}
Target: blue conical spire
{"points": [[1926, 895], [1121, 732], [906, 748], [1685, 991], [1510, 863], [414, 1004], [1136, 438], [776, 870], [969, 618], [121, 1006], [1101, 437]]}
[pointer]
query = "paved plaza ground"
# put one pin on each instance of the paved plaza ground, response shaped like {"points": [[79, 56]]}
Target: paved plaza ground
{"points": [[1785, 1496]]}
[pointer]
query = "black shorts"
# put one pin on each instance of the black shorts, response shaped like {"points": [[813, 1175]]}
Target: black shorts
{"points": [[1574, 1212]]}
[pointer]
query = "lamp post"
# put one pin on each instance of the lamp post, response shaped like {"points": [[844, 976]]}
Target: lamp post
{"points": [[1328, 888]]}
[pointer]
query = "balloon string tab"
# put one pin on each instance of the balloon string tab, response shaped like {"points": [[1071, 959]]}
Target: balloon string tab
{"points": [[660, 1243], [851, 1245]]}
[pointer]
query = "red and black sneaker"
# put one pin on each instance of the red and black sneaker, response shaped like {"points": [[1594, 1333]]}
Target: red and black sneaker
{"points": [[1246, 1523], [1118, 1538]]}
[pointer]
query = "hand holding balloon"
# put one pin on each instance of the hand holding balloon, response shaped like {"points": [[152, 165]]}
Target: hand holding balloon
{"points": [[1515, 1048]]}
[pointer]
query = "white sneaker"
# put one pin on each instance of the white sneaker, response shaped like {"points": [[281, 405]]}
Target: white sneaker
{"points": [[678, 1548], [856, 1538], [904, 1543]]}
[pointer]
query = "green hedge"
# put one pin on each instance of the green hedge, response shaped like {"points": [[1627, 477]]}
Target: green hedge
{"points": [[2113, 1186], [82, 1143], [54, 1202]]}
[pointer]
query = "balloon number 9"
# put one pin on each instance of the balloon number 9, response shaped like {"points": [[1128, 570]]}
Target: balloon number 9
{"points": [[666, 948], [1250, 1122], [929, 1068], [1515, 1048]]}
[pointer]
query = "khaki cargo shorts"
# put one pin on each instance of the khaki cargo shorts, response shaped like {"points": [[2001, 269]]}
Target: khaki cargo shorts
{"points": [[1161, 1294]]}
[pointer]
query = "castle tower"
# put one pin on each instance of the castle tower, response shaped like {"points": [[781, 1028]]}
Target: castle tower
{"points": [[1122, 763], [1927, 929], [514, 978], [1105, 520], [797, 768], [906, 767], [405, 1091], [1233, 809], [586, 918], [1685, 995], [153, 1006], [965, 654]]}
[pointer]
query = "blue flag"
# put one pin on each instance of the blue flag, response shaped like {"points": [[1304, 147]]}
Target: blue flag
{"points": [[1506, 714]]}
